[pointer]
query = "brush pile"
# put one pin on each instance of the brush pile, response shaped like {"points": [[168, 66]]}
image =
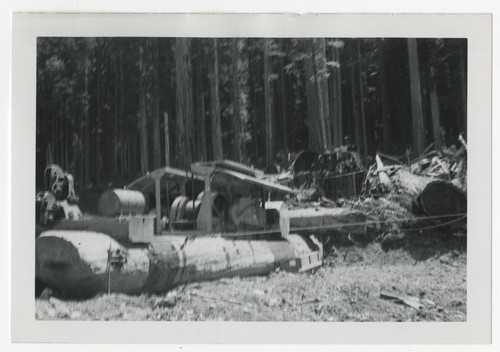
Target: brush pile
{"points": [[400, 199], [426, 196], [316, 176]]}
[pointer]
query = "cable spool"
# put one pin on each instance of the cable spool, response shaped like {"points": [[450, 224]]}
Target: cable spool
{"points": [[191, 209], [184, 211], [178, 207]]}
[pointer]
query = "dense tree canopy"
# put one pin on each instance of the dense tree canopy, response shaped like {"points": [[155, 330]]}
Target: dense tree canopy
{"points": [[110, 109]]}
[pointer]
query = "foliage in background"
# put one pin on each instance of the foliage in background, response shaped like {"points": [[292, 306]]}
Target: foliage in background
{"points": [[110, 108]]}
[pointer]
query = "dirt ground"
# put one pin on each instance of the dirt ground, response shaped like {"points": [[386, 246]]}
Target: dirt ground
{"points": [[354, 284]]}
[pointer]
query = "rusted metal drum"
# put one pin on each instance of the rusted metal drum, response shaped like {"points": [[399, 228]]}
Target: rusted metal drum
{"points": [[121, 201]]}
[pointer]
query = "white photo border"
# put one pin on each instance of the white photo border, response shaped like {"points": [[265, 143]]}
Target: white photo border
{"points": [[475, 27]]}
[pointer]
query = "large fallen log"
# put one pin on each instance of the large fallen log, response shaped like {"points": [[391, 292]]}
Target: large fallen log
{"points": [[440, 198], [84, 263], [431, 197]]}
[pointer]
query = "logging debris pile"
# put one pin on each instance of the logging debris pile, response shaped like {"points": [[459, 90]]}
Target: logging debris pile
{"points": [[341, 161], [409, 202], [312, 174], [402, 201], [447, 164]]}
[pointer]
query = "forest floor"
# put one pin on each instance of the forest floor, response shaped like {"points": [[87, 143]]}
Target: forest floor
{"points": [[354, 284]]}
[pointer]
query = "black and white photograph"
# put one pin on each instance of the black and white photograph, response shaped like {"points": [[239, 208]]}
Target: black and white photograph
{"points": [[254, 176], [260, 179]]}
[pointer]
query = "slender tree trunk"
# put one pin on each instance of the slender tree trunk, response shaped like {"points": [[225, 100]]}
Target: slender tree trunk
{"points": [[362, 102], [362, 114], [155, 96], [253, 104], [121, 116], [199, 110], [116, 116], [86, 114], [336, 99], [268, 102], [384, 99], [217, 153], [81, 145], [320, 88], [436, 120], [167, 138], [58, 136], [67, 149], [463, 79], [143, 113], [203, 127], [98, 164], [236, 91], [315, 138], [243, 76], [416, 97], [323, 91], [354, 104], [284, 115], [184, 104]]}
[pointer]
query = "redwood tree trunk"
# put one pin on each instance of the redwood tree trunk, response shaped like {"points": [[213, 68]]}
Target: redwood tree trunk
{"points": [[155, 103], [167, 138], [116, 118], [436, 120], [384, 99], [184, 104], [362, 102], [315, 88], [216, 134], [315, 139], [416, 97], [98, 164], [318, 62], [336, 98], [143, 126], [354, 103], [236, 149], [86, 108], [463, 80], [268, 101], [121, 116], [284, 114], [199, 109]]}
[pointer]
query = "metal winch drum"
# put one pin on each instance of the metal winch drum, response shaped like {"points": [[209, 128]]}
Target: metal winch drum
{"points": [[184, 210]]}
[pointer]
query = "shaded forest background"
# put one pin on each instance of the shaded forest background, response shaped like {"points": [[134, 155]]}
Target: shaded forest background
{"points": [[110, 109]]}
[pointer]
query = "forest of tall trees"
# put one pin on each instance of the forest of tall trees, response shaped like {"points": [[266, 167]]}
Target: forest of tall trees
{"points": [[110, 109]]}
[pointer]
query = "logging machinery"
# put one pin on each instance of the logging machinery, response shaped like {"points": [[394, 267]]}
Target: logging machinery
{"points": [[59, 198], [175, 226]]}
